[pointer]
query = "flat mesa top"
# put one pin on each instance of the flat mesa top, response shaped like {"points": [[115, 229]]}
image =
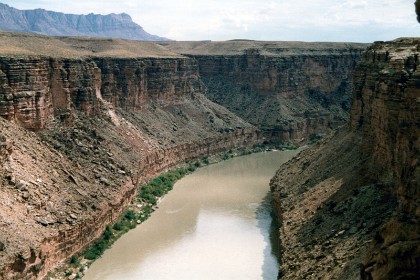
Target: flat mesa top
{"points": [[267, 48], [13, 43], [27, 44]]}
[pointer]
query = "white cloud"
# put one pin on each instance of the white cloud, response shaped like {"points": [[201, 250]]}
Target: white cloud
{"points": [[326, 20]]}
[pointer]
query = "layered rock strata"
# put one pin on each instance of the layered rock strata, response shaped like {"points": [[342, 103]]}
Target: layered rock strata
{"points": [[386, 109], [79, 135], [35, 88], [349, 207], [290, 90], [87, 120]]}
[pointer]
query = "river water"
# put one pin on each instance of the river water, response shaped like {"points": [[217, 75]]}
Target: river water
{"points": [[214, 224]]}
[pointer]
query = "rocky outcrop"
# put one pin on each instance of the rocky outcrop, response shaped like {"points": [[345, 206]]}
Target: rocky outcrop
{"points": [[52, 23], [132, 83], [349, 207], [290, 90], [386, 110], [35, 88], [63, 203]]}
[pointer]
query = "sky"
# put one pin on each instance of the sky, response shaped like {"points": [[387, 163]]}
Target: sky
{"points": [[276, 20]]}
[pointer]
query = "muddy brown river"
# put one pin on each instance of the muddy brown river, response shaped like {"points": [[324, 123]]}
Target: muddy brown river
{"points": [[214, 224]]}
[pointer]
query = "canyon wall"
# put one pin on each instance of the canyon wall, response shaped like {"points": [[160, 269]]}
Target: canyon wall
{"points": [[386, 109], [289, 90], [78, 136], [35, 88], [349, 206]]}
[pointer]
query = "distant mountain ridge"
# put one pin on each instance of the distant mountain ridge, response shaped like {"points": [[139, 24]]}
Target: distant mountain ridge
{"points": [[59, 24]]}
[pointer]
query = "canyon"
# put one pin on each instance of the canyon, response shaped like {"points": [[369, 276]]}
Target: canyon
{"points": [[289, 90], [103, 127], [86, 121]]}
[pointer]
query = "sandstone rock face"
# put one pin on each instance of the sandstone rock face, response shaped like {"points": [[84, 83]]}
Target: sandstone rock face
{"points": [[289, 90], [386, 110], [103, 126], [35, 88], [131, 83], [58, 24], [349, 206]]}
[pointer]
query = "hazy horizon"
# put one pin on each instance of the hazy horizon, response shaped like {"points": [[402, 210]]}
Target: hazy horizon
{"points": [[298, 20]]}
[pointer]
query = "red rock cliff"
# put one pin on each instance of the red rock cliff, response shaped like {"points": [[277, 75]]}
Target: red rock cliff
{"points": [[34, 88], [102, 125]]}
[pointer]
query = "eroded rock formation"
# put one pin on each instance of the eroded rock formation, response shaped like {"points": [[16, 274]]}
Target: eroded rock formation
{"points": [[34, 88], [290, 90], [78, 136], [349, 207], [386, 110]]}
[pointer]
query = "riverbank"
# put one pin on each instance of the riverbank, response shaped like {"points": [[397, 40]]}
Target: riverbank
{"points": [[203, 225], [143, 204]]}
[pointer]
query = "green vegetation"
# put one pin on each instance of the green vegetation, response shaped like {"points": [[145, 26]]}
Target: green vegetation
{"points": [[74, 260], [313, 138], [129, 215], [148, 197], [100, 245], [191, 167], [160, 185]]}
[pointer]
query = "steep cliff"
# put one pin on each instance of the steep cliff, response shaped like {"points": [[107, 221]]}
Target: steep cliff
{"points": [[386, 109], [349, 207], [290, 90], [52, 23], [79, 133]]}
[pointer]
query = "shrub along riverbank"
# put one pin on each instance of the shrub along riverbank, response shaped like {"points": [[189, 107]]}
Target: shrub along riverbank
{"points": [[141, 208], [137, 213]]}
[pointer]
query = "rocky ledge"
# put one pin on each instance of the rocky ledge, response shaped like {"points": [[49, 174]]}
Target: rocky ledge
{"points": [[349, 206]]}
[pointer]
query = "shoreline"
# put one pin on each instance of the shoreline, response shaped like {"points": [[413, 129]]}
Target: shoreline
{"points": [[141, 208]]}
